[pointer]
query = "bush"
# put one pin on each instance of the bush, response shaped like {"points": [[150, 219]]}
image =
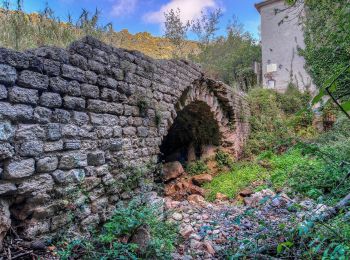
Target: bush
{"points": [[197, 167], [112, 241], [274, 123], [223, 160]]}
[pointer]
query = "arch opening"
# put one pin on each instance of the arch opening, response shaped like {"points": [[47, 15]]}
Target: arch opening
{"points": [[193, 129]]}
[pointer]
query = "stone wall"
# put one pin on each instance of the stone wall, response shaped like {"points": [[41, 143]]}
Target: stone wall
{"points": [[76, 124]]}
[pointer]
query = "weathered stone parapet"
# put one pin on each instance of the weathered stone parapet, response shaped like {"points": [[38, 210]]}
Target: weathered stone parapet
{"points": [[75, 123]]}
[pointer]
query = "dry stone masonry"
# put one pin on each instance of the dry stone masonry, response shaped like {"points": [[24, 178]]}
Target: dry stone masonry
{"points": [[76, 123]]}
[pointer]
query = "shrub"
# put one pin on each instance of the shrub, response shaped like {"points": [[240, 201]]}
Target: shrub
{"points": [[223, 160], [196, 167], [112, 241], [274, 123]]}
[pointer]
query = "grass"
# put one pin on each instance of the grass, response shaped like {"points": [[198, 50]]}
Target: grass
{"points": [[23, 31], [232, 182]]}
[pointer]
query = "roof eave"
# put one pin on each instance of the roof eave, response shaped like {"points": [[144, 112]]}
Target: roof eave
{"points": [[259, 5]]}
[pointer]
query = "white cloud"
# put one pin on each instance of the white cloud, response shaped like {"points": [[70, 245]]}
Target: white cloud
{"points": [[190, 9], [123, 7]]}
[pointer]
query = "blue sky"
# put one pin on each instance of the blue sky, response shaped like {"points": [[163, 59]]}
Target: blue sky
{"points": [[147, 15]]}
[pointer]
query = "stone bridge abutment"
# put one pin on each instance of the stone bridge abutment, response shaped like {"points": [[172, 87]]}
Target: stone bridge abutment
{"points": [[75, 122]]}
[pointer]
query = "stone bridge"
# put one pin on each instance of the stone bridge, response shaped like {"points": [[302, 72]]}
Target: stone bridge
{"points": [[78, 125]]}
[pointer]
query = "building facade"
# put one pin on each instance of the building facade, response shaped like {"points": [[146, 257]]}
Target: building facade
{"points": [[281, 38]]}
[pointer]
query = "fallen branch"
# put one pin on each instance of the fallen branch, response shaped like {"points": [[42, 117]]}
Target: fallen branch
{"points": [[332, 212]]}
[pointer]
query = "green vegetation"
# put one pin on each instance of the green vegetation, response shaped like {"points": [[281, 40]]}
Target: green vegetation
{"points": [[327, 51], [233, 182], [286, 154], [229, 58], [114, 240], [275, 125], [22, 31], [196, 167], [223, 160]]}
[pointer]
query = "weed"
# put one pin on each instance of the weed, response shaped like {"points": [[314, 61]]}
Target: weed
{"points": [[196, 167], [223, 160], [112, 241]]}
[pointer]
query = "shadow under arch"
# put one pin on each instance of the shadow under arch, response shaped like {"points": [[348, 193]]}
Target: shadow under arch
{"points": [[193, 128]]}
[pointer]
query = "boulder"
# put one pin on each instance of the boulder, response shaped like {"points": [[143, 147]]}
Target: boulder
{"points": [[186, 231], [246, 192], [172, 170], [196, 199], [201, 179], [209, 247], [221, 197], [257, 198], [5, 221], [141, 238]]}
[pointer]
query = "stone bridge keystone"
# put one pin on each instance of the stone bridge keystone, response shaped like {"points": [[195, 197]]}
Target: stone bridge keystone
{"points": [[75, 123]]}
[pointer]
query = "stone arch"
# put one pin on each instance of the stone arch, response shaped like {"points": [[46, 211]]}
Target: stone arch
{"points": [[78, 118], [224, 110]]}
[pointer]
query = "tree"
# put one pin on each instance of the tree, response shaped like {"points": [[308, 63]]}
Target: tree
{"points": [[230, 58], [176, 31], [206, 26]]}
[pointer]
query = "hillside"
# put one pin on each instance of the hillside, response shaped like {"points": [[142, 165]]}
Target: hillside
{"points": [[25, 31]]}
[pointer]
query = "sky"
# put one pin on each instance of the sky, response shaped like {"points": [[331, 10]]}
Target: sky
{"points": [[148, 15]]}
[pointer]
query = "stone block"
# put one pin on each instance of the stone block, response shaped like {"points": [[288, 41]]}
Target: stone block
{"points": [[104, 132], [3, 92], [109, 94], [7, 131], [96, 67], [99, 106], [31, 79], [91, 77], [74, 103], [16, 112], [52, 68], [142, 131], [78, 175], [74, 73], [80, 118], [23, 95], [115, 145], [90, 91], [53, 146], [72, 145], [61, 116], [8, 74], [129, 131], [6, 151], [53, 132], [107, 82], [31, 148], [52, 100], [73, 160], [96, 158], [29, 132], [7, 189], [19, 169], [42, 115], [117, 131], [36, 185], [47, 164], [78, 61]]}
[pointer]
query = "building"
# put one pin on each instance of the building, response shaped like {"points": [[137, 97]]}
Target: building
{"points": [[281, 38]]}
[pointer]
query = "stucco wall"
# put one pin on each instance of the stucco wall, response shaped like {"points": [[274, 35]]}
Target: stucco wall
{"points": [[280, 44]]}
